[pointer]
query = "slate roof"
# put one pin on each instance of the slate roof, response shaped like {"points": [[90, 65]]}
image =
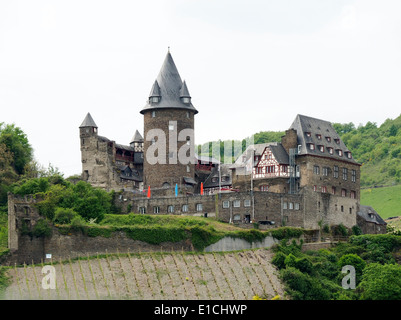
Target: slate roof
{"points": [[128, 173], [225, 172], [137, 137], [370, 215], [88, 122], [170, 88], [206, 159], [304, 124], [279, 153]]}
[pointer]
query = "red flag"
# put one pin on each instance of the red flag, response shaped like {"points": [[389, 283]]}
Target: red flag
{"points": [[201, 188], [148, 191]]}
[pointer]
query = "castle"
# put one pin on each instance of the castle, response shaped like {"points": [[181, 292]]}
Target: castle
{"points": [[306, 179], [309, 179]]}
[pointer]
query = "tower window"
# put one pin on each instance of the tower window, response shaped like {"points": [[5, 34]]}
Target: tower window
{"points": [[153, 114], [186, 100], [154, 99]]}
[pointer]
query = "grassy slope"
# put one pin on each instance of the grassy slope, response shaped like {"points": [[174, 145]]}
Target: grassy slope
{"points": [[386, 201]]}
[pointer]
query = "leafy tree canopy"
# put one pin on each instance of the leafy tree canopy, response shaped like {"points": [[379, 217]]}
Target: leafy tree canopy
{"points": [[16, 142]]}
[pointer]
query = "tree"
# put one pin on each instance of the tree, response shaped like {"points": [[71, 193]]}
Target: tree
{"points": [[16, 142], [393, 131], [381, 282], [7, 173]]}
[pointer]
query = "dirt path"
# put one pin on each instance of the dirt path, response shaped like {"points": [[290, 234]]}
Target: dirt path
{"points": [[215, 276]]}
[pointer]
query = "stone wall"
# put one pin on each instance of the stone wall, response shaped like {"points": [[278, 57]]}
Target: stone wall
{"points": [[236, 207]]}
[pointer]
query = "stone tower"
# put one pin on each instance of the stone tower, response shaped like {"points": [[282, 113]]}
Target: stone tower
{"points": [[169, 149], [94, 155]]}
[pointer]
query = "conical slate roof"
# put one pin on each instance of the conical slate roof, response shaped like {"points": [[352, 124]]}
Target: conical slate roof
{"points": [[88, 122], [155, 92], [184, 93], [169, 87], [137, 137]]}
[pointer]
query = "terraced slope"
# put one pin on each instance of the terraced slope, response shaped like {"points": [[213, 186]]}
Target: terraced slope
{"points": [[216, 276]]}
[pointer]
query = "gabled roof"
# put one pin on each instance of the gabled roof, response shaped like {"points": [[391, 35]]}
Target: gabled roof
{"points": [[279, 153], [88, 122], [305, 125], [170, 87]]}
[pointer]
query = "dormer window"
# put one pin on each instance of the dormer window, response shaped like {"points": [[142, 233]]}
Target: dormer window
{"points": [[154, 99], [321, 148], [328, 139], [319, 136], [330, 150], [337, 141], [311, 146], [308, 134], [340, 152], [186, 100], [348, 155]]}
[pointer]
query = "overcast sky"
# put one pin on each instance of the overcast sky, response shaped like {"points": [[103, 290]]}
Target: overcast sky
{"points": [[250, 65]]}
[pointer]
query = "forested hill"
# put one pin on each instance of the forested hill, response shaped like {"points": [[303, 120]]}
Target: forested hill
{"points": [[377, 148]]}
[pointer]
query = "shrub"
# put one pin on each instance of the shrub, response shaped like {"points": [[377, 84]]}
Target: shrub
{"points": [[302, 286], [42, 229], [78, 223], [340, 230], [302, 264], [356, 230], [278, 260], [90, 208], [286, 233], [353, 260], [64, 215]]}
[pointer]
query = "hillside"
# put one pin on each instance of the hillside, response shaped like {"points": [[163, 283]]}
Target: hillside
{"points": [[153, 276], [386, 201]]}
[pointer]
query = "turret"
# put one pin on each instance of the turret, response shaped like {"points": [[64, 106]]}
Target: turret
{"points": [[88, 127]]}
